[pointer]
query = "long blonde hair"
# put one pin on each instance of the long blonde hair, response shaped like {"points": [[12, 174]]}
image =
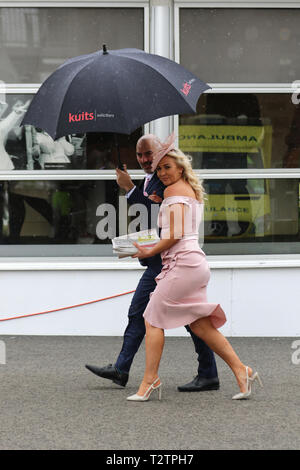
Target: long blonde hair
{"points": [[188, 174]]}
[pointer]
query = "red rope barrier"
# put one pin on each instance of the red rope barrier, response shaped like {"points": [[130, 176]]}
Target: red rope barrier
{"points": [[65, 308]]}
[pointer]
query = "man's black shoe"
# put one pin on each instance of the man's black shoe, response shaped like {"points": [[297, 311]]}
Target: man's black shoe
{"points": [[200, 384], [110, 372]]}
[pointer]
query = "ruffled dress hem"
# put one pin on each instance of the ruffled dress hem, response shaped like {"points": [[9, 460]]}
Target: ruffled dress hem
{"points": [[195, 312]]}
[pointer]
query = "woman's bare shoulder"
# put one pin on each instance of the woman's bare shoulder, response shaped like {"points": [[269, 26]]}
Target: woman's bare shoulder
{"points": [[171, 191], [178, 190]]}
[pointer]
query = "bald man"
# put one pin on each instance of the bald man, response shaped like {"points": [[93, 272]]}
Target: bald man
{"points": [[151, 192]]}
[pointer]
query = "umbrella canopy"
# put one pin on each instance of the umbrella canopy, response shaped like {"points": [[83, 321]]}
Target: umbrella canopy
{"points": [[112, 91]]}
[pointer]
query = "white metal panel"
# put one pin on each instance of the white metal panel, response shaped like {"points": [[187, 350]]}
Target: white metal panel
{"points": [[257, 302], [235, 4], [266, 304], [75, 3]]}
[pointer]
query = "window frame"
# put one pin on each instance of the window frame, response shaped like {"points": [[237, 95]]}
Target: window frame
{"points": [[275, 88], [32, 88], [281, 260], [36, 175], [218, 262]]}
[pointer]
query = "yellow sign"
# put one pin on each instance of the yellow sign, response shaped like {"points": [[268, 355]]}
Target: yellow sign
{"points": [[206, 138], [227, 214]]}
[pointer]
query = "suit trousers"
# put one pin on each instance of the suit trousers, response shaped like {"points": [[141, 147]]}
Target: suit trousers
{"points": [[136, 330]]}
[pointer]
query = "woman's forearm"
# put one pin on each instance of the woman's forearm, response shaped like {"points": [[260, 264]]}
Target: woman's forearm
{"points": [[162, 245], [175, 233]]}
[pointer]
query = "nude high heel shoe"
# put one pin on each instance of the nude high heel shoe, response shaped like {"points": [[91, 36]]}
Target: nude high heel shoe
{"points": [[249, 382], [148, 392]]}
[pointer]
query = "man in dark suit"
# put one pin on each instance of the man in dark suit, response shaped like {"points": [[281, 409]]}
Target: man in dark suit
{"points": [[207, 377]]}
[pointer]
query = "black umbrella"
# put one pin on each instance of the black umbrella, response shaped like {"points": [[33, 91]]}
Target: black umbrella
{"points": [[112, 91]]}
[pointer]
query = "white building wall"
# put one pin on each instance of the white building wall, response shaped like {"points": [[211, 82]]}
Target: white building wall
{"points": [[260, 298], [258, 301]]}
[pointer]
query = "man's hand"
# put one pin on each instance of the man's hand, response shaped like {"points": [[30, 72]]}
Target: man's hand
{"points": [[123, 179]]}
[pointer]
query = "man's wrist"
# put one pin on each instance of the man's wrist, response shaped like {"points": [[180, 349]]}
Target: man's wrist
{"points": [[129, 187]]}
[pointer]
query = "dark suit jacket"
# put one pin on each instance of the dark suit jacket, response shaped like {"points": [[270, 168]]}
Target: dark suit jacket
{"points": [[138, 197]]}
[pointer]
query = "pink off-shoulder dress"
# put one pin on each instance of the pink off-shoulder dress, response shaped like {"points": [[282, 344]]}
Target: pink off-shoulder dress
{"points": [[180, 295]]}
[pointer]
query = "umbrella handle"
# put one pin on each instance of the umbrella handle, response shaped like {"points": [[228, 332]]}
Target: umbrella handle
{"points": [[120, 164]]}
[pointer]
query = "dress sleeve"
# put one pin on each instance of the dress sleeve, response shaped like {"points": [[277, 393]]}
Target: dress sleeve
{"points": [[168, 201]]}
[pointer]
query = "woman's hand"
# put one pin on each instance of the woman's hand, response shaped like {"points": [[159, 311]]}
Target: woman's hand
{"points": [[142, 252], [155, 198]]}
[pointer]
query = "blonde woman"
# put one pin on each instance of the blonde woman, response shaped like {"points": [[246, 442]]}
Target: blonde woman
{"points": [[180, 295]]}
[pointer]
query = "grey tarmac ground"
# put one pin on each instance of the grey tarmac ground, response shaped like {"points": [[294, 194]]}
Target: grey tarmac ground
{"points": [[50, 401]]}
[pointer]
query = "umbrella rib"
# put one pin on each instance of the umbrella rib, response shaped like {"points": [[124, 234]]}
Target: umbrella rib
{"points": [[128, 130], [155, 71], [66, 92], [121, 104]]}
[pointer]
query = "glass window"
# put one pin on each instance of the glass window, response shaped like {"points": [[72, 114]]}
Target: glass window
{"points": [[63, 218], [244, 131], [241, 45], [42, 217], [247, 130], [27, 148], [79, 218], [251, 216], [35, 41]]}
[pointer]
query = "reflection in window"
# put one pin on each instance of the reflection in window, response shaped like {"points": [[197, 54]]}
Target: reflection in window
{"points": [[29, 148], [72, 217], [237, 209], [248, 45], [247, 130], [238, 212], [236, 186], [50, 212], [47, 218], [35, 41]]}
